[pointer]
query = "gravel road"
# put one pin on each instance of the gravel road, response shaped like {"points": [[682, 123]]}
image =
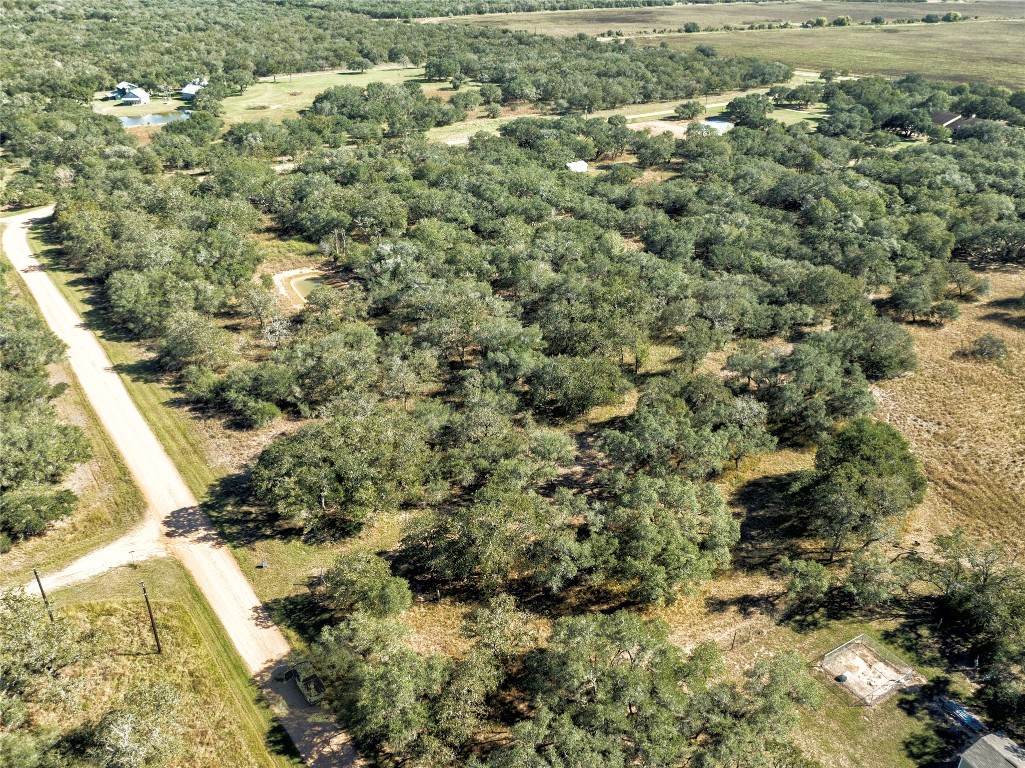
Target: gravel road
{"points": [[174, 522]]}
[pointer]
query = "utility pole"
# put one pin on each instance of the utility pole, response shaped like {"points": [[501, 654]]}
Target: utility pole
{"points": [[152, 621], [43, 593]]}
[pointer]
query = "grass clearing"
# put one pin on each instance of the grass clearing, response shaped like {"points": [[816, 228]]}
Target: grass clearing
{"points": [[157, 106], [985, 51], [283, 97], [634, 21], [965, 420], [109, 503], [226, 722]]}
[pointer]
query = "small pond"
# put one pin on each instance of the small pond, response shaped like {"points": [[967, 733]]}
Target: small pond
{"points": [[155, 119], [720, 126], [303, 285]]}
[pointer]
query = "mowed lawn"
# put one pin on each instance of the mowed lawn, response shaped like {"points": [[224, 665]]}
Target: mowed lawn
{"points": [[634, 21], [978, 51], [283, 97], [156, 106]]}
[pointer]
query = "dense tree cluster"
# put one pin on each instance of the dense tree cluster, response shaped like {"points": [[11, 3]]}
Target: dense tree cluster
{"points": [[604, 691], [486, 306], [411, 9], [38, 450], [96, 50], [865, 477]]}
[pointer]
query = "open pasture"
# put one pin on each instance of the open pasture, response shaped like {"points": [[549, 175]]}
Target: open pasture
{"points": [[976, 52], [283, 97], [634, 21]]}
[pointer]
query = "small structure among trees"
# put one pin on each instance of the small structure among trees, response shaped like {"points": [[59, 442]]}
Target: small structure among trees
{"points": [[867, 671], [189, 91]]}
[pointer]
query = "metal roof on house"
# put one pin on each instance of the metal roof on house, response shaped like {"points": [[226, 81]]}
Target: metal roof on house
{"points": [[942, 117], [994, 751], [191, 89]]}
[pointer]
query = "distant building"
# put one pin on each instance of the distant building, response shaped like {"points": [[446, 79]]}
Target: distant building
{"points": [[121, 89], [189, 91], [578, 166], [135, 96], [993, 751], [952, 120]]}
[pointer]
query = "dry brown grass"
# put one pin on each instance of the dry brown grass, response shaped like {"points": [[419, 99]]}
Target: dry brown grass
{"points": [[966, 421], [224, 723]]}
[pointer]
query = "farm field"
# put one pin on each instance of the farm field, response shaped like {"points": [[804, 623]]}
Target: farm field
{"points": [[635, 21], [939, 51]]}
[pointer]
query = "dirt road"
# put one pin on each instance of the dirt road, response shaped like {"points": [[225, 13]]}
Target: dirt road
{"points": [[174, 520]]}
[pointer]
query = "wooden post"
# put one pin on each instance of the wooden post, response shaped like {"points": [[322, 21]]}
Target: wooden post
{"points": [[43, 593], [152, 621]]}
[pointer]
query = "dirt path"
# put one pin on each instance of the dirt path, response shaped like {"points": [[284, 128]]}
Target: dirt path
{"points": [[174, 520]]}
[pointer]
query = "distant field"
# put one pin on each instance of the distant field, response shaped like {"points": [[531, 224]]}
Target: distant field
{"points": [[980, 51], [284, 98], [632, 21]]}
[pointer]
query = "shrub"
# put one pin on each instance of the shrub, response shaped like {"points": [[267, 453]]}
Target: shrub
{"points": [[987, 347]]}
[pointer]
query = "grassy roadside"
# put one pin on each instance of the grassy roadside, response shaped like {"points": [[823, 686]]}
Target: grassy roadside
{"points": [[176, 432], [109, 503], [226, 722]]}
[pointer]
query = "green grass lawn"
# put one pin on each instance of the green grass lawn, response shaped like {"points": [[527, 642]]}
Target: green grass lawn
{"points": [[813, 116], [157, 106], [226, 723], [282, 97]]}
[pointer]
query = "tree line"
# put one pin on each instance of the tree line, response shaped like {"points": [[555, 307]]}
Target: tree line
{"points": [[39, 449]]}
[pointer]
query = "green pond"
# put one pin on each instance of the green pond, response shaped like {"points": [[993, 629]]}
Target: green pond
{"points": [[304, 285]]}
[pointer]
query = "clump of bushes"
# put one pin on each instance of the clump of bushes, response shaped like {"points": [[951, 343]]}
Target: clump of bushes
{"points": [[987, 347]]}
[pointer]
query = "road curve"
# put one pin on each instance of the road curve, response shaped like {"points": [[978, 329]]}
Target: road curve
{"points": [[174, 520]]}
